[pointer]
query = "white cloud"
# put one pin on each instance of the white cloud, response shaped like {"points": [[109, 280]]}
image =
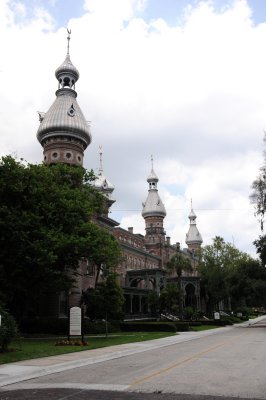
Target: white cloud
{"points": [[193, 95]]}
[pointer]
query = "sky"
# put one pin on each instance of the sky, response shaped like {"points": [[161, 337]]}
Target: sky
{"points": [[181, 80]]}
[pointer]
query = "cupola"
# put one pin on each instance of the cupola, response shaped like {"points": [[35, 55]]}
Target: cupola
{"points": [[153, 205], [102, 183], [64, 132], [193, 237]]}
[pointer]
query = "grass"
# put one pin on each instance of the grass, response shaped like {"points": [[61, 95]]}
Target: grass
{"points": [[25, 349], [203, 328]]}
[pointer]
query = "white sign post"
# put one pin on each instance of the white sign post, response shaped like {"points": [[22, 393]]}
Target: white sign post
{"points": [[75, 322], [216, 315]]}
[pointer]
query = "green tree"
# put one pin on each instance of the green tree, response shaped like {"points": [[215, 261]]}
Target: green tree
{"points": [[46, 228], [258, 198], [218, 264], [8, 329], [170, 299], [104, 252], [105, 301], [260, 245], [248, 285], [154, 302], [258, 195], [179, 264]]}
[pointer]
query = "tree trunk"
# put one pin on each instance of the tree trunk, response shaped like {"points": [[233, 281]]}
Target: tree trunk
{"points": [[180, 300], [106, 324]]}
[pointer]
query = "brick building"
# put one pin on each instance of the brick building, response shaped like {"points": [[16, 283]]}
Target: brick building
{"points": [[64, 135]]}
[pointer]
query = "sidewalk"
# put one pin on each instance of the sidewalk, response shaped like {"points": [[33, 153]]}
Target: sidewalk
{"points": [[29, 369]]}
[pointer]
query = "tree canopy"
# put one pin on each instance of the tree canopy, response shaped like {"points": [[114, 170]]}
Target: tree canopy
{"points": [[106, 298], [258, 198], [46, 229], [230, 275], [178, 264], [258, 195]]}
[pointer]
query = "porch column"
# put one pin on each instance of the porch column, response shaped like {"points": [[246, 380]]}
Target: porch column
{"points": [[131, 305], [140, 303]]}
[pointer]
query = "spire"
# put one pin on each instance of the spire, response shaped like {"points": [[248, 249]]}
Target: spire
{"points": [[101, 160], [68, 40], [153, 205], [102, 183], [152, 178], [193, 237], [67, 74], [192, 216], [154, 213], [64, 132]]}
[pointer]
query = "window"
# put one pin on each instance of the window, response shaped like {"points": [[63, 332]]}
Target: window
{"points": [[66, 81], [68, 155]]}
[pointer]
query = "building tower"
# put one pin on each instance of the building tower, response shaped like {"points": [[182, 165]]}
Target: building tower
{"points": [[154, 213], [102, 184], [193, 237], [64, 132]]}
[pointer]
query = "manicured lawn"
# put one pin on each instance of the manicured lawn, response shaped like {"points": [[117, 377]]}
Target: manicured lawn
{"points": [[34, 348]]}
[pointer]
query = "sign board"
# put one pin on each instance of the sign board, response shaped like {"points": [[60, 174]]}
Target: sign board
{"points": [[75, 321], [216, 315], [239, 314]]}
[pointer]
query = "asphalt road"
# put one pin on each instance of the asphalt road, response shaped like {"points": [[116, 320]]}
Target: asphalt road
{"points": [[230, 364]]}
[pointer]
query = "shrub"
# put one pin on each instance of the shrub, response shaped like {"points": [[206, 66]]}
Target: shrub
{"points": [[153, 326], [94, 327], [188, 313], [54, 326], [195, 323], [223, 321], [59, 326], [8, 329], [182, 326], [245, 311]]}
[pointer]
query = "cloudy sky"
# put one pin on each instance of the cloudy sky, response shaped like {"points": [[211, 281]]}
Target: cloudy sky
{"points": [[182, 80]]}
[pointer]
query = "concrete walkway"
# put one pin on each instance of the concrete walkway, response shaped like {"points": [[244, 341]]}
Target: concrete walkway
{"points": [[29, 369]]}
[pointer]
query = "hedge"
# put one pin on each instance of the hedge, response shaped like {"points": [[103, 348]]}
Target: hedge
{"points": [[59, 326], [154, 326], [219, 322]]}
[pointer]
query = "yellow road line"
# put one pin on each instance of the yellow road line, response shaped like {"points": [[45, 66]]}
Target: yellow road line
{"points": [[194, 357]]}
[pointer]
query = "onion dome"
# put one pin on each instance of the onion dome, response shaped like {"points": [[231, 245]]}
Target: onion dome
{"points": [[67, 74], [193, 237], [65, 118], [152, 178], [153, 205], [64, 132]]}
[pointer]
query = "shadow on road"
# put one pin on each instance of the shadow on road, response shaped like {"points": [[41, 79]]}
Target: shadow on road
{"points": [[78, 394]]}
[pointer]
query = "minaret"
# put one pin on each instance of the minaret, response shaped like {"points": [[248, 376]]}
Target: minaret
{"points": [[154, 213], [193, 237], [64, 132], [102, 184]]}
